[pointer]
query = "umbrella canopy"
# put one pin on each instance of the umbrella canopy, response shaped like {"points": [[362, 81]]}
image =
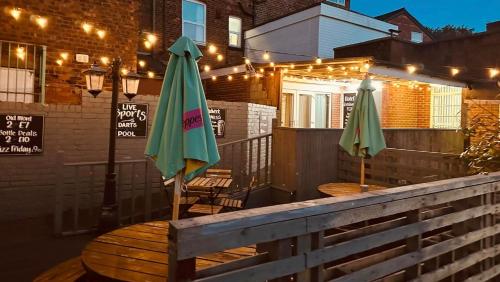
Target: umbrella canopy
{"points": [[363, 137], [182, 138]]}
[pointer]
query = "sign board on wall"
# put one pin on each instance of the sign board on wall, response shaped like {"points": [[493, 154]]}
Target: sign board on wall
{"points": [[218, 119], [132, 120], [21, 134], [347, 108]]}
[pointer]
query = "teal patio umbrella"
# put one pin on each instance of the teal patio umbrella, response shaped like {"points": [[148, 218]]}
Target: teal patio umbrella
{"points": [[362, 136], [181, 140]]}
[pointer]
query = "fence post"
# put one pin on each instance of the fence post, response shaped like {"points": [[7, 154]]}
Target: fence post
{"points": [[178, 270], [414, 244], [58, 193]]}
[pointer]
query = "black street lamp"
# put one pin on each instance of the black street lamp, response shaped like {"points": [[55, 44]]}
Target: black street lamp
{"points": [[95, 80]]}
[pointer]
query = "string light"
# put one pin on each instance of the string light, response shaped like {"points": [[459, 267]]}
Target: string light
{"points": [[142, 63], [319, 61], [152, 38], [41, 22], [272, 74], [105, 60], [214, 78], [367, 66], [411, 69], [101, 33], [330, 68], [266, 56], [271, 64], [494, 72], [245, 76], [229, 77], [206, 68], [247, 61], [285, 70], [151, 74], [124, 71], [454, 71], [147, 44], [220, 57], [235, 69], [292, 66], [87, 28], [20, 53], [64, 56], [212, 49], [261, 70], [342, 68], [15, 13], [59, 62]]}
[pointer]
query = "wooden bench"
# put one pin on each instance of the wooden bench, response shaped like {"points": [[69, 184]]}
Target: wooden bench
{"points": [[70, 270]]}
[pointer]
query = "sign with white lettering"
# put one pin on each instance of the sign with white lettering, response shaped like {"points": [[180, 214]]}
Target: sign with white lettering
{"points": [[21, 134], [132, 120], [348, 104], [218, 120]]}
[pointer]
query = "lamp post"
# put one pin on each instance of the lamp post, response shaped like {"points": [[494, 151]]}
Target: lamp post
{"points": [[94, 77]]}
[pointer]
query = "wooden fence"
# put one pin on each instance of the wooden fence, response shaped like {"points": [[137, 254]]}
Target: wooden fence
{"points": [[396, 167], [424, 232]]}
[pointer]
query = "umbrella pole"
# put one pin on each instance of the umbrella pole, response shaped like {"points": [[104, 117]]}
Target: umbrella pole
{"points": [[362, 171], [179, 181]]}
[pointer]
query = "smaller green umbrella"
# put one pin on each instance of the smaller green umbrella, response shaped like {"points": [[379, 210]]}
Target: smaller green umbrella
{"points": [[182, 141], [362, 136]]}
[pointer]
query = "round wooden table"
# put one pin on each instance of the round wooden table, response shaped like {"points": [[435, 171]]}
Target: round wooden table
{"points": [[345, 189], [139, 253]]}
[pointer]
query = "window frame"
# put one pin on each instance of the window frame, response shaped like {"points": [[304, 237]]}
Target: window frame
{"points": [[195, 23], [337, 2], [240, 34], [421, 34]]}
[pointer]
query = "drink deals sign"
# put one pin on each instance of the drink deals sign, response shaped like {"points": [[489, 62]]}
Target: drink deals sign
{"points": [[218, 120], [348, 104], [132, 120], [21, 134]]}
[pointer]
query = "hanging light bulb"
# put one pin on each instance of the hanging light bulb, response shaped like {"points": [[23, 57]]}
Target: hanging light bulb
{"points": [[235, 69], [87, 28], [212, 49], [101, 33], [152, 38], [41, 22], [229, 77], [247, 61], [319, 61], [214, 78], [454, 71], [292, 66], [342, 68], [285, 70], [494, 72], [272, 74], [124, 71], [330, 68], [206, 68], [261, 70], [147, 44], [271, 64], [411, 69], [15, 13], [105, 60], [142, 63], [367, 66], [220, 57], [266, 56], [151, 74], [245, 76]]}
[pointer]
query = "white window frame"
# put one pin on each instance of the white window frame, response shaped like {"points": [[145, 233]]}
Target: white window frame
{"points": [[239, 33], [195, 23], [445, 115], [417, 33], [338, 2]]}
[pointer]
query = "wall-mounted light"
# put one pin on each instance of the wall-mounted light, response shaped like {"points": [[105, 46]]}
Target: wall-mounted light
{"points": [[206, 68], [454, 71], [41, 22], [87, 28], [15, 13], [59, 62], [494, 73], [319, 61], [220, 57], [212, 49], [142, 63], [101, 33], [64, 55], [411, 69], [151, 74], [105, 60], [152, 38]]}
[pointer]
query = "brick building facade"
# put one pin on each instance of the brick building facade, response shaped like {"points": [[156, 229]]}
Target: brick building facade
{"points": [[410, 28]]}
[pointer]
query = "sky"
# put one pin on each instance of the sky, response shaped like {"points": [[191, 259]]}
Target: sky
{"points": [[436, 13]]}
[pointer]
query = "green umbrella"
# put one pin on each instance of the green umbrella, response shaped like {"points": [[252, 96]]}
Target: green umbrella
{"points": [[363, 137], [182, 141]]}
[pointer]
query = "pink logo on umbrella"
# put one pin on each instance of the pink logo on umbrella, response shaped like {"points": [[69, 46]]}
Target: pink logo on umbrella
{"points": [[192, 120]]}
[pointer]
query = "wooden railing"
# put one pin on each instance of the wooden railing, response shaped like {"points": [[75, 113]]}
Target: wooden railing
{"points": [[422, 232], [79, 190], [396, 167]]}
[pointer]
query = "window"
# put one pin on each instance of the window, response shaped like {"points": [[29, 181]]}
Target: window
{"points": [[194, 20], [234, 32], [417, 37], [338, 2], [446, 107]]}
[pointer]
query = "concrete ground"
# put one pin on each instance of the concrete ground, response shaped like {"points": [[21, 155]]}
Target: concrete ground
{"points": [[27, 248]]}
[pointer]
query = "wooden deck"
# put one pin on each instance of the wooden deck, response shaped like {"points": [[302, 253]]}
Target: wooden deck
{"points": [[139, 253]]}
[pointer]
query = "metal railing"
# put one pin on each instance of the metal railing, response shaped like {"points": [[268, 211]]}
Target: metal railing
{"points": [[22, 72], [140, 196]]}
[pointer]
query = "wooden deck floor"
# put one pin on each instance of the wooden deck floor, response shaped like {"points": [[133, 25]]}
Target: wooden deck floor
{"points": [[139, 253]]}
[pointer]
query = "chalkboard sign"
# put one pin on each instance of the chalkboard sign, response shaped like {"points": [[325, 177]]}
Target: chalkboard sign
{"points": [[348, 104], [21, 134], [132, 120], [218, 119]]}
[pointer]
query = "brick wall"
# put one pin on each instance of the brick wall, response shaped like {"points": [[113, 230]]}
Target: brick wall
{"points": [[119, 18], [406, 26], [336, 121], [268, 10], [404, 107], [168, 25], [81, 132]]}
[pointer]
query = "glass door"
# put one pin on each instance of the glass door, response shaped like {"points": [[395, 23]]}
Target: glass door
{"points": [[287, 110], [322, 110], [305, 110]]}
